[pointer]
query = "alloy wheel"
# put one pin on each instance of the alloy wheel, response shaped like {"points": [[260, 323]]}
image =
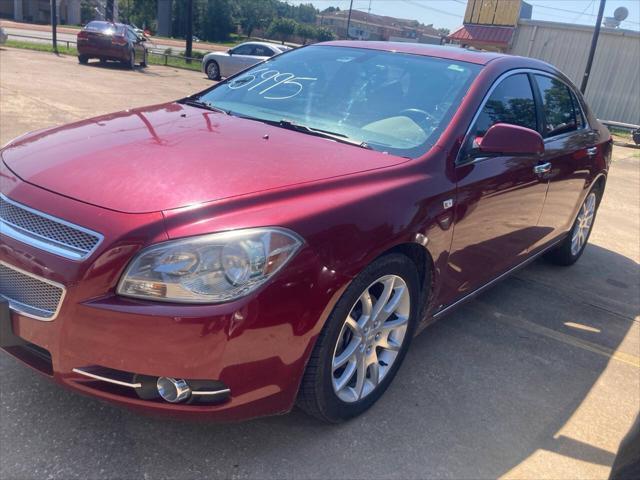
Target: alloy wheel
{"points": [[583, 224], [371, 338]]}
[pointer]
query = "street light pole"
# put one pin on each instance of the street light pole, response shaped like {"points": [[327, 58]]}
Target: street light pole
{"points": [[54, 26], [349, 19], [594, 43]]}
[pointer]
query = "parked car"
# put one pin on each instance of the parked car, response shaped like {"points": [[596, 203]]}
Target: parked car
{"points": [[3, 36], [281, 236], [111, 41], [224, 64]]}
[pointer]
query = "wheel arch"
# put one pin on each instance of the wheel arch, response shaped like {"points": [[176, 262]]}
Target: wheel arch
{"points": [[420, 256]]}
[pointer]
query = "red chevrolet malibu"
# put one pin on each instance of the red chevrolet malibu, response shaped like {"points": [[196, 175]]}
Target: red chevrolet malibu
{"points": [[279, 238]]}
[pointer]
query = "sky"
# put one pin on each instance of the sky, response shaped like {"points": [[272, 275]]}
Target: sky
{"points": [[449, 13]]}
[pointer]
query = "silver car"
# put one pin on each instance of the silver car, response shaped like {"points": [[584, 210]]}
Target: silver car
{"points": [[224, 64]]}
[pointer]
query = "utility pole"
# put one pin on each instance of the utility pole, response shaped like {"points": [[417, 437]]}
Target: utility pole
{"points": [[109, 10], [189, 49], [594, 43], [349, 19], [54, 25]]}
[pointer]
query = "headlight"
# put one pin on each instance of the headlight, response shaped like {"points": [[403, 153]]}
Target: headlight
{"points": [[210, 268]]}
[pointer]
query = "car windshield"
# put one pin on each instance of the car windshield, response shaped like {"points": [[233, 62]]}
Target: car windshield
{"points": [[391, 102]]}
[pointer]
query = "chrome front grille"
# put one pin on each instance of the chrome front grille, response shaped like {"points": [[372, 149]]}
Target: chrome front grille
{"points": [[46, 232], [29, 294]]}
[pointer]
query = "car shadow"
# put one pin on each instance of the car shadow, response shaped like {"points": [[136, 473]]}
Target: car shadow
{"points": [[480, 391]]}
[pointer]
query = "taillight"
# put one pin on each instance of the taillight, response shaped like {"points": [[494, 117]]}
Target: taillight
{"points": [[120, 41], [82, 35]]}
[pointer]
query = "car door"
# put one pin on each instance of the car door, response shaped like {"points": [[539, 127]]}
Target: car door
{"points": [[499, 198], [135, 44], [570, 145], [241, 57]]}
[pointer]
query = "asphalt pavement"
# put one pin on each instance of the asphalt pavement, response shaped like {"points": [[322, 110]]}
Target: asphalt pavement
{"points": [[537, 378]]}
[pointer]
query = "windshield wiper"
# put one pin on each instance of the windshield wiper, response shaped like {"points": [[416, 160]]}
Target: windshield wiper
{"points": [[198, 104], [296, 127]]}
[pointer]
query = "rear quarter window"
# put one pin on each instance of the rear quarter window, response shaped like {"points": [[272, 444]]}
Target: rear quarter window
{"points": [[559, 107]]}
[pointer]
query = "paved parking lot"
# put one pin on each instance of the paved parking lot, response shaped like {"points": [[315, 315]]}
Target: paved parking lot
{"points": [[537, 378]]}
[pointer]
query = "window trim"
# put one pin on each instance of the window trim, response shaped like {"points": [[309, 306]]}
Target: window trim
{"points": [[539, 106], [459, 157], [574, 96]]}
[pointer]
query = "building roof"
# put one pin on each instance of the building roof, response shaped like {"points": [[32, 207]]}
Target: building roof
{"points": [[487, 34], [452, 53]]}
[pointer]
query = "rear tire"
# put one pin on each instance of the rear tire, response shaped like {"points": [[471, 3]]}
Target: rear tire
{"points": [[83, 59], [103, 61], [571, 248], [362, 345]]}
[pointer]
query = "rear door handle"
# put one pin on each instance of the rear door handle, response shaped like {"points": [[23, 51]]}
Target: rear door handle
{"points": [[592, 151], [542, 168]]}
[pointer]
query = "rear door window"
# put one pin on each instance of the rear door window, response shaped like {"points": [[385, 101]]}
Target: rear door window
{"points": [[558, 106], [262, 51]]}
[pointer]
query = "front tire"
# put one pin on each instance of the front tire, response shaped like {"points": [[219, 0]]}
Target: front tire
{"points": [[213, 70], [571, 248], [364, 341]]}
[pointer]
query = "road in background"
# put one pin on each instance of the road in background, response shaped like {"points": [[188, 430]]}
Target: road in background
{"points": [[537, 378], [42, 34]]}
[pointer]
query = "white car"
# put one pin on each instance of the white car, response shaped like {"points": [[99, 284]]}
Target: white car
{"points": [[224, 64], [3, 36]]}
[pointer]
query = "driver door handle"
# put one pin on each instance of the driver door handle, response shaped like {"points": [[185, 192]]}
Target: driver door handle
{"points": [[542, 168]]}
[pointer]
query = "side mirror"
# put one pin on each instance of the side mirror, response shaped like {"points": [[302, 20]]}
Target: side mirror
{"points": [[507, 139], [230, 51]]}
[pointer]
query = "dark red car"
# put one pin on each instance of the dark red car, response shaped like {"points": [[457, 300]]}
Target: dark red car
{"points": [[111, 41], [280, 237]]}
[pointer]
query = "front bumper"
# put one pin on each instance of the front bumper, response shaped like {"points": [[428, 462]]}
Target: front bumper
{"points": [[256, 346]]}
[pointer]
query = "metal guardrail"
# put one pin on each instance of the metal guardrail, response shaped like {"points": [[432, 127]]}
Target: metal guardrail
{"points": [[43, 39]]}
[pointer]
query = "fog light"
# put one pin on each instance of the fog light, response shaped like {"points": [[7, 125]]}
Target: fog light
{"points": [[173, 390]]}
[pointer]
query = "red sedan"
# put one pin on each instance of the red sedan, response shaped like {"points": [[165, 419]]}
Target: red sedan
{"points": [[279, 238]]}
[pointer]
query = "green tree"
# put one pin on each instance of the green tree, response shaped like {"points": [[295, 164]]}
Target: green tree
{"points": [[282, 29], [443, 31], [217, 23], [324, 34], [306, 13], [141, 13], [305, 32], [252, 14]]}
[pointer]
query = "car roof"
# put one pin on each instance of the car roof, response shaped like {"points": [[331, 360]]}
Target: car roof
{"points": [[106, 23], [452, 53]]}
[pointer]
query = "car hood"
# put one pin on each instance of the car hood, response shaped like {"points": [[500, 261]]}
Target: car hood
{"points": [[172, 155]]}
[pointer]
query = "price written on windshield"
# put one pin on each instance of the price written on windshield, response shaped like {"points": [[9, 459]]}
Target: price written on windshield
{"points": [[271, 84]]}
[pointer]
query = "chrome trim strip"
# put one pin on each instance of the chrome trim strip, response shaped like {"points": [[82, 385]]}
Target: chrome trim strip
{"points": [[106, 379], [15, 305], [48, 245], [215, 392], [480, 289]]}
